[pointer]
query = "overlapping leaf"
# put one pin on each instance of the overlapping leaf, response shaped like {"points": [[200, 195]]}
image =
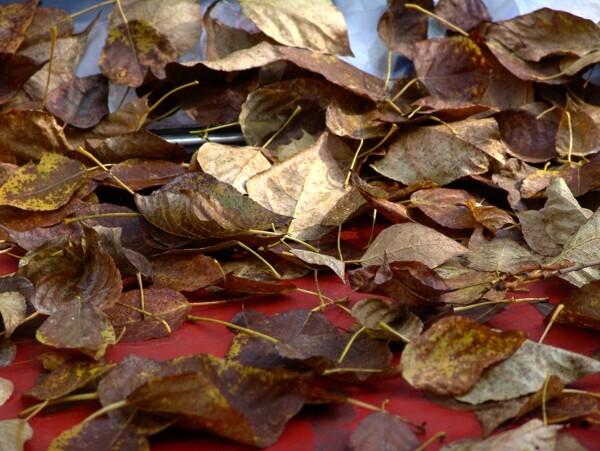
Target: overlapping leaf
{"points": [[448, 358], [526, 370], [319, 26], [226, 398]]}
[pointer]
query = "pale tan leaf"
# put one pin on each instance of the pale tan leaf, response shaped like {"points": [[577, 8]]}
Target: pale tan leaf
{"points": [[6, 390], [562, 214], [12, 309], [306, 187], [67, 53], [412, 242], [535, 234], [232, 164], [532, 435], [526, 370], [14, 434], [500, 255], [314, 258], [583, 247], [317, 25]]}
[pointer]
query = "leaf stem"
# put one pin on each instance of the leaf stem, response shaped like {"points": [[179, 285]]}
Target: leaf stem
{"points": [[436, 17], [314, 293], [105, 409], [234, 326], [388, 73], [511, 300], [150, 314], [394, 332], [162, 99], [353, 163], [391, 131], [350, 342], [546, 111], [50, 402], [91, 8], [212, 129], [371, 407], [557, 311], [283, 126], [84, 152], [437, 436], [54, 34], [404, 89], [257, 255], [101, 215]]}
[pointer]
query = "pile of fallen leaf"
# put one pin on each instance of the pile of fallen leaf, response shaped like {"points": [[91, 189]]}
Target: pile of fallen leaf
{"points": [[484, 163]]}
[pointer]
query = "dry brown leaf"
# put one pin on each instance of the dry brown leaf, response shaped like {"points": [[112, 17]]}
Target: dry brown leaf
{"points": [[317, 26], [179, 20], [231, 164], [412, 242], [306, 187], [410, 159]]}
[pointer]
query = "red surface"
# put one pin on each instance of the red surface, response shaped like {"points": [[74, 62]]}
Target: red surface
{"points": [[320, 428]]}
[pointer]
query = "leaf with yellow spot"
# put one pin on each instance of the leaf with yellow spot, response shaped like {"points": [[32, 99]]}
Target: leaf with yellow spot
{"points": [[132, 49], [449, 357], [78, 325], [239, 402], [44, 186], [103, 433], [71, 375], [15, 19]]}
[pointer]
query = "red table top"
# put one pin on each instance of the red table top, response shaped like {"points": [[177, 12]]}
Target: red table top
{"points": [[321, 427]]}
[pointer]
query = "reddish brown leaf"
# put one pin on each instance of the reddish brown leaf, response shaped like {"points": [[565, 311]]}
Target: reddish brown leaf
{"points": [[161, 308], [401, 28], [135, 145], [199, 206], [530, 139], [452, 68], [15, 70], [186, 272], [448, 207], [86, 274], [226, 398], [408, 282], [132, 372], [139, 174], [465, 14], [222, 39], [330, 67], [81, 102], [541, 34], [266, 109], [380, 431]]}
